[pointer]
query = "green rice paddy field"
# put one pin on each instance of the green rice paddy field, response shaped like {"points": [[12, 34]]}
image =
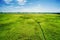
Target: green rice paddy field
{"points": [[29, 26]]}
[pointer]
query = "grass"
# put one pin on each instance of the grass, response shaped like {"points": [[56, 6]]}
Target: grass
{"points": [[27, 26]]}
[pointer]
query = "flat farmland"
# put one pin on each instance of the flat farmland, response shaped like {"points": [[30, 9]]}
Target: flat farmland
{"points": [[29, 26]]}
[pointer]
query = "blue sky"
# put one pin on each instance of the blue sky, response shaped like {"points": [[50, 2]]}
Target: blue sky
{"points": [[29, 5]]}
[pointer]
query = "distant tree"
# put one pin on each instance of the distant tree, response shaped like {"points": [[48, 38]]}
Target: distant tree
{"points": [[58, 13]]}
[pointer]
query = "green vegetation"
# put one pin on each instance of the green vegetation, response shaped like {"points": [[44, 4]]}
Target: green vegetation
{"points": [[29, 26]]}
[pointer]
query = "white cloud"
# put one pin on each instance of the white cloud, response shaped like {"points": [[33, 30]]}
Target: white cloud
{"points": [[22, 2], [7, 1], [37, 8]]}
